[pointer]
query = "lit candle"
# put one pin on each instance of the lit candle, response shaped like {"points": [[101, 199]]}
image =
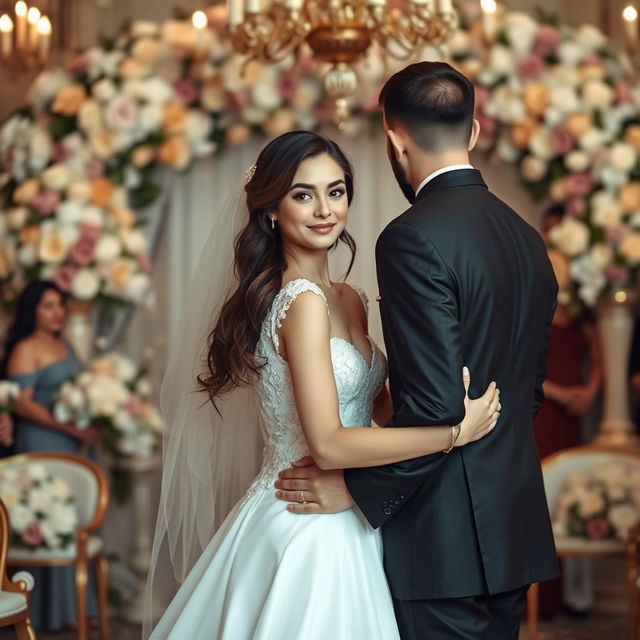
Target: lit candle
{"points": [[236, 12], [44, 31], [489, 8], [445, 6], [21, 25], [199, 20], [252, 6], [6, 32], [296, 5], [630, 17], [33, 15]]}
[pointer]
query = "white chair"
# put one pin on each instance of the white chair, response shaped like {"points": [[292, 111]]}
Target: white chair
{"points": [[556, 469], [91, 492], [14, 596]]}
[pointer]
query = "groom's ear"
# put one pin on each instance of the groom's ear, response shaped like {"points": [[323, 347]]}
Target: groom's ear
{"points": [[475, 132], [397, 144]]}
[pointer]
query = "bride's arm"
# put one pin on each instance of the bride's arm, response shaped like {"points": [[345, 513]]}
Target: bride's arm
{"points": [[305, 335]]}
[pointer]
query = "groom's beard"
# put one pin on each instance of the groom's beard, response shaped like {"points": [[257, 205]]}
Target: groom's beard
{"points": [[400, 175]]}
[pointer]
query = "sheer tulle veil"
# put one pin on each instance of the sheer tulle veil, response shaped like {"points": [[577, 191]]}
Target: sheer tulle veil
{"points": [[209, 459]]}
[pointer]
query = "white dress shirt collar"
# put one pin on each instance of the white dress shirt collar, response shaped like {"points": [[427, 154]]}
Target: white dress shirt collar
{"points": [[431, 176]]}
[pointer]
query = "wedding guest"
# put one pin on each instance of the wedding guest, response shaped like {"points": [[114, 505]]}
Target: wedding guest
{"points": [[41, 361], [574, 377]]}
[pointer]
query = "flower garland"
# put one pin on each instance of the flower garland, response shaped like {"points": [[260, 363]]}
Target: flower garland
{"points": [[77, 163]]}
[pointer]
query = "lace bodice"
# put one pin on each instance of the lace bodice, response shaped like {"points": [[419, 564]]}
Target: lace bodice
{"points": [[357, 383]]}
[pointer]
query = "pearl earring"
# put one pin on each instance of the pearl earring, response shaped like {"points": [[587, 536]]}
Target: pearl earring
{"points": [[273, 223]]}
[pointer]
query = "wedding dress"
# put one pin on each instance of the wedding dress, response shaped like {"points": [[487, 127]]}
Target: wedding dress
{"points": [[269, 574]]}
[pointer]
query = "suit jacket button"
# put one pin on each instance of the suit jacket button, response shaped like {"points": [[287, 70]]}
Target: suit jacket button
{"points": [[387, 511], [396, 501], [401, 497], [385, 503]]}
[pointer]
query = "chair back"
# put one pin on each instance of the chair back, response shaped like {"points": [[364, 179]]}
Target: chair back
{"points": [[86, 480]]}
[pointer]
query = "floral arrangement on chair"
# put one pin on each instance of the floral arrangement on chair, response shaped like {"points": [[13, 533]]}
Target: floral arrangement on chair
{"points": [[41, 508], [9, 392], [115, 394], [602, 503]]}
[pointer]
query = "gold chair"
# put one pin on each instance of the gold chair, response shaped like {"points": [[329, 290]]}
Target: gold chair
{"points": [[91, 492], [14, 594], [556, 469]]}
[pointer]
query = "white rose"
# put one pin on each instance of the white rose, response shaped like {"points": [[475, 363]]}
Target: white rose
{"points": [[10, 494], [533, 168], [108, 248], [126, 370], [265, 95], [612, 178], [103, 90], [60, 489], [57, 177], [144, 387], [46, 85], [127, 446], [597, 94], [253, 115], [39, 500], [90, 117], [565, 99], [147, 443], [570, 236], [607, 211], [86, 284], [623, 517], [69, 212], [590, 38], [138, 287], [124, 422], [506, 105], [50, 536], [40, 149], [592, 139], [623, 156], [20, 517], [634, 221], [501, 60], [198, 126], [590, 277], [156, 90], [36, 472], [577, 161], [629, 247], [541, 143], [27, 255], [93, 216], [147, 51], [459, 42], [591, 504], [520, 30], [150, 118], [570, 53], [17, 218], [553, 117], [63, 518], [602, 254], [134, 241], [79, 190]]}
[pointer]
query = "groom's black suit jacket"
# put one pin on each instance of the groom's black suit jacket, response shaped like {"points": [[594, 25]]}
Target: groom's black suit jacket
{"points": [[464, 281]]}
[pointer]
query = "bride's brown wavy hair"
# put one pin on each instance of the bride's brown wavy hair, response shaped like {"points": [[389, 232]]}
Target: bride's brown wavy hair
{"points": [[259, 261]]}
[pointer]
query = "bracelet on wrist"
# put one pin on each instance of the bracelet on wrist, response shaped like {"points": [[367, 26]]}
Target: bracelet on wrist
{"points": [[455, 434]]}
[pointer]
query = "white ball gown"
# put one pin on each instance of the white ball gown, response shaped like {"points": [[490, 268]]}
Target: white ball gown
{"points": [[269, 574]]}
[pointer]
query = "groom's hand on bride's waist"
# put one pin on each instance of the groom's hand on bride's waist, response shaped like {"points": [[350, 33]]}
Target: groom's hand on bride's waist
{"points": [[310, 489]]}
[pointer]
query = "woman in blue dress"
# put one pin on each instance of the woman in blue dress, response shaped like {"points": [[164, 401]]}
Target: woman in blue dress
{"points": [[37, 357]]}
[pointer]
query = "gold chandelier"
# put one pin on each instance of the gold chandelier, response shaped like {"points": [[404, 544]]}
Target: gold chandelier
{"points": [[339, 32], [25, 36]]}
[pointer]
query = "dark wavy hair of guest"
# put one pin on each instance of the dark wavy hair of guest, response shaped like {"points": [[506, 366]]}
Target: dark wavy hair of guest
{"points": [[259, 261], [24, 321]]}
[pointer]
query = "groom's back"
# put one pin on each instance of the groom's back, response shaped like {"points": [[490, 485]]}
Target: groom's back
{"points": [[505, 292]]}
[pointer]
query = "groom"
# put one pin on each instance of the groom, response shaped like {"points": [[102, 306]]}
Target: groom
{"points": [[463, 281]]}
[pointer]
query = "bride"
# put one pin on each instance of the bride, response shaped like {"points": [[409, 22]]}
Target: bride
{"points": [[298, 342]]}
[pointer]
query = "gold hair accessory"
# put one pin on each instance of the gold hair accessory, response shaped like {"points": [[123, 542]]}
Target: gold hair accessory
{"points": [[249, 174]]}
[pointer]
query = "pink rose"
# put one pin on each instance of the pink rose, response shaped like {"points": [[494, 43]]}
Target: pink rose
{"points": [[32, 535], [144, 263], [623, 91], [134, 407], [562, 141], [90, 232], [186, 90], [45, 202], [598, 528], [530, 66], [592, 60], [63, 277], [488, 126], [578, 184], [94, 169], [287, 85], [121, 113], [546, 39], [59, 153], [482, 95], [575, 208], [617, 274], [78, 65], [617, 233], [83, 251], [237, 100]]}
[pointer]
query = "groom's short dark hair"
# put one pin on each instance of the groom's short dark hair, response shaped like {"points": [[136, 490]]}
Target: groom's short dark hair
{"points": [[433, 102]]}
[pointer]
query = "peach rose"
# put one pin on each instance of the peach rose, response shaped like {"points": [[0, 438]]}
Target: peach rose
{"points": [[142, 156], [632, 136], [123, 217], [174, 117], [102, 190], [522, 131], [53, 247], [578, 123], [536, 98], [27, 191], [120, 272], [68, 100], [629, 197], [102, 144], [237, 135], [30, 235], [175, 152], [131, 68]]}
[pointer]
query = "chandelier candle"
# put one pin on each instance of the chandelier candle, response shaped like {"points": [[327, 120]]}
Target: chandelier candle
{"points": [[44, 34], [630, 17], [489, 8], [21, 25], [33, 16], [6, 35]]}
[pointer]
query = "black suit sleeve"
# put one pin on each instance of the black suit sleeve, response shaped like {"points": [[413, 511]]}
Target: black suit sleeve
{"points": [[541, 373], [422, 332]]}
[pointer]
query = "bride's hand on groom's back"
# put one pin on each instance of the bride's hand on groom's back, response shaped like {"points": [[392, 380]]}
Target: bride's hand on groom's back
{"points": [[481, 414]]}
